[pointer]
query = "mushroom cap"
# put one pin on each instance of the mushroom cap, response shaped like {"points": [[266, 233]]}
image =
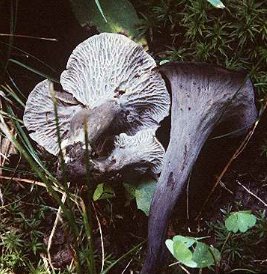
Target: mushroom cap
{"points": [[205, 88], [105, 67], [111, 66], [142, 148], [39, 116]]}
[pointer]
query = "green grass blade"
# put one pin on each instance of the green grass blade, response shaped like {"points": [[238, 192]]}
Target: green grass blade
{"points": [[33, 70], [122, 257], [101, 10]]}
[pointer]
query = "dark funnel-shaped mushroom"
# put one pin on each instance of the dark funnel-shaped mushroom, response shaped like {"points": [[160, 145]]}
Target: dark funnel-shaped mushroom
{"points": [[202, 97]]}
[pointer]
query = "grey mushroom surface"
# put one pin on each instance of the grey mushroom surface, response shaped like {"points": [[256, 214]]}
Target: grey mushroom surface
{"points": [[39, 115], [113, 89], [110, 86], [111, 66], [139, 154], [203, 96]]}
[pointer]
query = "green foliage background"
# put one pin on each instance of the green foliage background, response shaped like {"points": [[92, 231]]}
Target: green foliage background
{"points": [[193, 30]]}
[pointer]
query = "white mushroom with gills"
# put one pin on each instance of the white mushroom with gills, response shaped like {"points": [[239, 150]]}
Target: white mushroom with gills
{"points": [[137, 155], [111, 87]]}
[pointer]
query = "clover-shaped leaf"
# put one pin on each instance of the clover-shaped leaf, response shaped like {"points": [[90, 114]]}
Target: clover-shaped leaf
{"points": [[181, 252], [188, 241], [205, 255], [144, 194], [102, 192], [240, 221], [191, 252]]}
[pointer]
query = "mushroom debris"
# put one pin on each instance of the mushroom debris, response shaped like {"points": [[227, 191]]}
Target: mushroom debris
{"points": [[111, 93]]}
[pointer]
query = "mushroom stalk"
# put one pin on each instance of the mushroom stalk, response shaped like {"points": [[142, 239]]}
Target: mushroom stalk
{"points": [[202, 96]]}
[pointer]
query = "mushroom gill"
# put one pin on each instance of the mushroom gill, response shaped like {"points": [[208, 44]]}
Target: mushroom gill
{"points": [[138, 155], [110, 86]]}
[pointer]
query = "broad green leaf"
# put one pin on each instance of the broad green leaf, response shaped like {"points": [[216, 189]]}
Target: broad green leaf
{"points": [[216, 254], [98, 192], [103, 192], [169, 244], [188, 241], [130, 188], [217, 4], [107, 15], [183, 254], [240, 221], [192, 253], [129, 192], [144, 194], [205, 255]]}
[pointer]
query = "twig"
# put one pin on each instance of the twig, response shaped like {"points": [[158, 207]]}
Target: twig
{"points": [[182, 267], [5, 148], [126, 266], [28, 181], [21, 180], [102, 241], [28, 36], [238, 151], [226, 188], [49, 244], [45, 262], [260, 261], [251, 193]]}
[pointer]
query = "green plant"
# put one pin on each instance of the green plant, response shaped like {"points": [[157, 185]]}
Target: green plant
{"points": [[192, 252], [195, 31], [234, 245], [241, 220]]}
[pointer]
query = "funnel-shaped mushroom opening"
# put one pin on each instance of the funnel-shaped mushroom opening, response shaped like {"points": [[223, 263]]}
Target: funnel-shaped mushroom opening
{"points": [[202, 97]]}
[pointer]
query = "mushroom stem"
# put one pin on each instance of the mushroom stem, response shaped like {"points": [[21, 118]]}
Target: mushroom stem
{"points": [[170, 186], [202, 96]]}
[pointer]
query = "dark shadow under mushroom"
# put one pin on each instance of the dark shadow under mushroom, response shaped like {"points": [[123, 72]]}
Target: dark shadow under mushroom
{"points": [[203, 96]]}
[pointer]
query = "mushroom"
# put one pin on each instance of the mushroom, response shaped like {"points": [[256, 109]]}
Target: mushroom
{"points": [[39, 116], [139, 154], [110, 66], [110, 86], [203, 96]]}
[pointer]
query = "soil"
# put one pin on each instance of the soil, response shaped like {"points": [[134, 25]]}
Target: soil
{"points": [[127, 227]]}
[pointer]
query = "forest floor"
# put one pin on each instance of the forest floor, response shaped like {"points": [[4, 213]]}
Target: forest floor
{"points": [[243, 186]]}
